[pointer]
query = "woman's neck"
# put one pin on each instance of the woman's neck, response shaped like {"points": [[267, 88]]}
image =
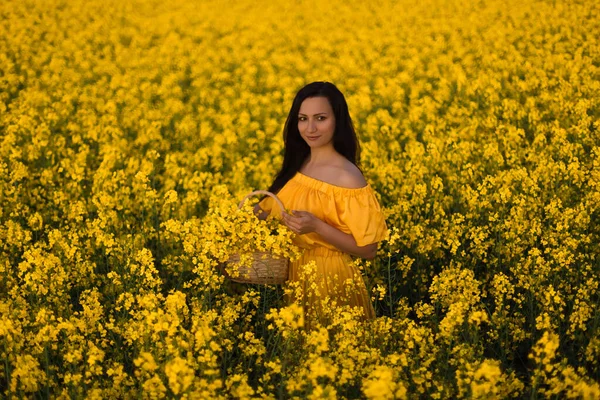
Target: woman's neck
{"points": [[321, 155]]}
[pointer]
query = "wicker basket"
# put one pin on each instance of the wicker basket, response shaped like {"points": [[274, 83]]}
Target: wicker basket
{"points": [[266, 268]]}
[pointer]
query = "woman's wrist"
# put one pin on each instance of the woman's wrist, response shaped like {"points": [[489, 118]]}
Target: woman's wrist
{"points": [[320, 227]]}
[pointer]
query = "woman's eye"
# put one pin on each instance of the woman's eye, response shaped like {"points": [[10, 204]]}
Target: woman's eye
{"points": [[320, 118]]}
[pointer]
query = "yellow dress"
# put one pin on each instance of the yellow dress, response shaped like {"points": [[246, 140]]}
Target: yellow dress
{"points": [[353, 211]]}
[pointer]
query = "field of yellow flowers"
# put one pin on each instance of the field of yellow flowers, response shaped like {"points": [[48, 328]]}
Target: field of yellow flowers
{"points": [[130, 129]]}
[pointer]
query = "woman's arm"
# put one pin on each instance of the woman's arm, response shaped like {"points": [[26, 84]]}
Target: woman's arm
{"points": [[304, 222], [345, 241]]}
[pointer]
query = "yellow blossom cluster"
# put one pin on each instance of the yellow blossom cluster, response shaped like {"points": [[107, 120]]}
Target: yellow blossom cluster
{"points": [[131, 129]]}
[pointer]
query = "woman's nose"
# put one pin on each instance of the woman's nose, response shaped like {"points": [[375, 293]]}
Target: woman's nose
{"points": [[312, 125]]}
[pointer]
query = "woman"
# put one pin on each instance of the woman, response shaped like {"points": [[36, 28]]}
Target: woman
{"points": [[335, 212]]}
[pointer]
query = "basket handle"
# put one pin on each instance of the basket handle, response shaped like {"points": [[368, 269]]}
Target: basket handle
{"points": [[279, 203]]}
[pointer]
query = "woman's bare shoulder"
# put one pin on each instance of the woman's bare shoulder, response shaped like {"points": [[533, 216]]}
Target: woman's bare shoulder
{"points": [[349, 176]]}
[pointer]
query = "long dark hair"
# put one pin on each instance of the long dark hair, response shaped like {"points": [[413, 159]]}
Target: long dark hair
{"points": [[345, 141]]}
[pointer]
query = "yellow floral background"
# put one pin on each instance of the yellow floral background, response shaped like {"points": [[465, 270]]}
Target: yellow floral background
{"points": [[129, 131]]}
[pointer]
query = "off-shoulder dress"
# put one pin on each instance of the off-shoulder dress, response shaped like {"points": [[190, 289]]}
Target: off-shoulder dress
{"points": [[353, 211]]}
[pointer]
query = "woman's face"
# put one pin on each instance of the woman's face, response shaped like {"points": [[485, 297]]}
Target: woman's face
{"points": [[316, 122]]}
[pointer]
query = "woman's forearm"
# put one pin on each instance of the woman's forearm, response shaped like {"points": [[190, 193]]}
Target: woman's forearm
{"points": [[345, 242]]}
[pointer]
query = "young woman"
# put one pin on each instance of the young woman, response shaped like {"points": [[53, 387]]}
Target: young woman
{"points": [[335, 211]]}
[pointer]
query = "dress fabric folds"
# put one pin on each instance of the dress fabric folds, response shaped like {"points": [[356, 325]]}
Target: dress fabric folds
{"points": [[336, 280]]}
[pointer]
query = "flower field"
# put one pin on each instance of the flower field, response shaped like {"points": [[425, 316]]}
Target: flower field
{"points": [[130, 130]]}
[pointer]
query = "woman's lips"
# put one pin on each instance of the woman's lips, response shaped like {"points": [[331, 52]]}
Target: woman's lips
{"points": [[313, 137]]}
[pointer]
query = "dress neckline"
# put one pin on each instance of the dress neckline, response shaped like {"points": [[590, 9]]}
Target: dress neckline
{"points": [[336, 187]]}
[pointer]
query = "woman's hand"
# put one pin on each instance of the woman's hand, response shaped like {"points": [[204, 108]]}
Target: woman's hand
{"points": [[260, 214], [301, 222]]}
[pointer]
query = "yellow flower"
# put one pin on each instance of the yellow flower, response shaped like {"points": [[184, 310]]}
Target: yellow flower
{"points": [[381, 384], [26, 375], [179, 374], [130, 130]]}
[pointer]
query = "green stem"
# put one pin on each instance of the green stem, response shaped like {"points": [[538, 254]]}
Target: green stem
{"points": [[47, 371], [7, 373], [390, 287]]}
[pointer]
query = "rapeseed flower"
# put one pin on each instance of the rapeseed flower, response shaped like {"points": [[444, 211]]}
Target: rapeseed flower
{"points": [[129, 131]]}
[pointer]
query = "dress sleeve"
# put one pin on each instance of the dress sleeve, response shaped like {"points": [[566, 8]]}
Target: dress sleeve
{"points": [[362, 215]]}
